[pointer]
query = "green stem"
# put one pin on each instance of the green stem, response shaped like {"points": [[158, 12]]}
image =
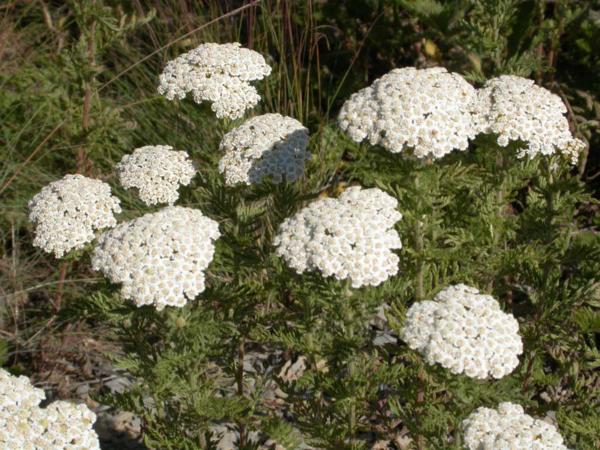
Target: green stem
{"points": [[349, 320], [500, 167], [420, 281], [240, 388], [419, 295], [418, 238], [420, 403]]}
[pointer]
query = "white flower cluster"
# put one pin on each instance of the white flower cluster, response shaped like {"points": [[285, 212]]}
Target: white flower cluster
{"points": [[517, 109], [509, 427], [156, 171], [24, 425], [351, 236], [67, 212], [219, 73], [464, 331], [427, 110], [268, 145], [160, 257]]}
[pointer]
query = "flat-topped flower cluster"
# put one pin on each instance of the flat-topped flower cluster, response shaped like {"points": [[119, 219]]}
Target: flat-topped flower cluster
{"points": [[434, 112], [219, 73], [67, 213], [349, 237], [157, 172], [269, 145], [24, 425], [159, 258], [426, 110], [516, 109], [465, 332], [508, 427]]}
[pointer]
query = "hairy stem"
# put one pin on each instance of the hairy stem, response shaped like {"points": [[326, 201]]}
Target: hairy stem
{"points": [[420, 404], [419, 295], [528, 372], [240, 387], [60, 286]]}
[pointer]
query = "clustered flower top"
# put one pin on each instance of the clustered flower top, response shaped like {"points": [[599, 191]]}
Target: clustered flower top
{"points": [[160, 257], [24, 425], [349, 237], [67, 212], [464, 331], [157, 172], [18, 392], [427, 110], [219, 73], [509, 427], [268, 145], [517, 109]]}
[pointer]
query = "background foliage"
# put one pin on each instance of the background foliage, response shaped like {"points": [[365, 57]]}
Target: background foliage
{"points": [[79, 90]]}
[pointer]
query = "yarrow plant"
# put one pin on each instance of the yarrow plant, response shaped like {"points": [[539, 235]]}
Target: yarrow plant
{"points": [[219, 73], [349, 237], [508, 427], [269, 145], [516, 109], [335, 383], [428, 110], [157, 172], [465, 332], [67, 213], [159, 258], [25, 425]]}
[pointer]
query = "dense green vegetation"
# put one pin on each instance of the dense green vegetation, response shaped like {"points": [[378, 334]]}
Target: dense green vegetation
{"points": [[78, 90]]}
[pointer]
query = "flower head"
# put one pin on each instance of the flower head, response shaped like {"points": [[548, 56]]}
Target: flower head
{"points": [[516, 109], [157, 172], [427, 110], [508, 427], [465, 332], [349, 237], [160, 257], [24, 425], [268, 145], [219, 73], [67, 212]]}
